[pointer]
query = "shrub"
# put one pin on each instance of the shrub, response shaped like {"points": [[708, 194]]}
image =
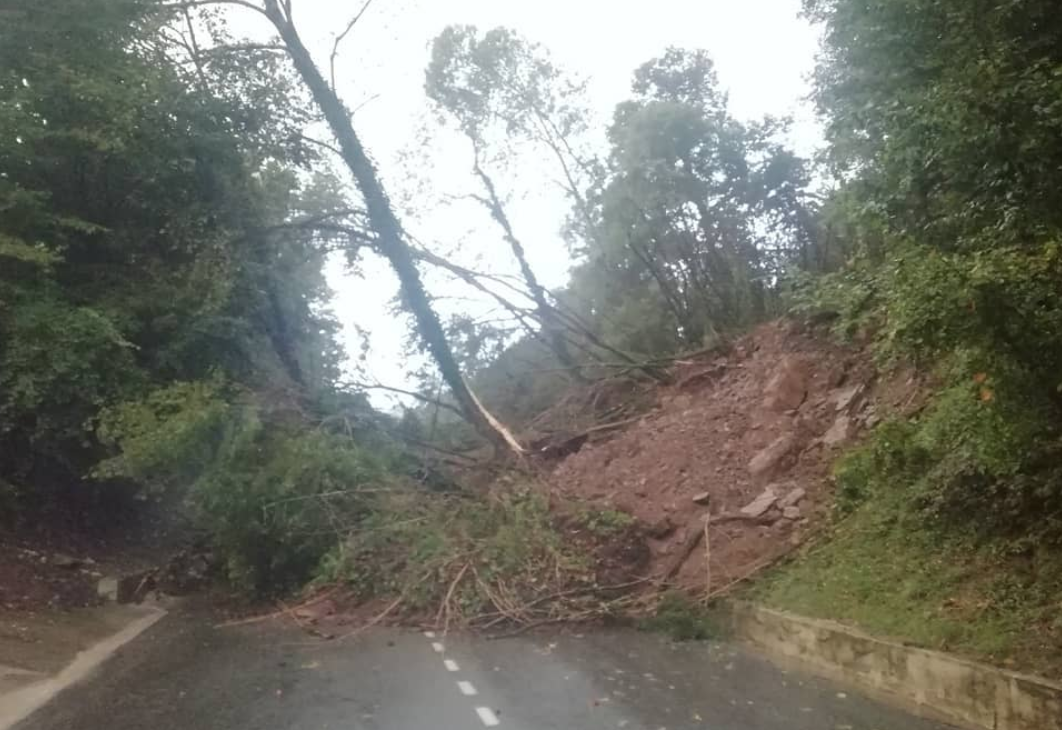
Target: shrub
{"points": [[274, 496]]}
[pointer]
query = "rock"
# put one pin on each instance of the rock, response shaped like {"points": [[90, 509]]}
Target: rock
{"points": [[316, 611], [791, 513], [702, 498], [793, 498], [661, 529], [843, 399], [769, 458], [839, 431], [65, 561], [759, 506], [788, 386], [107, 588]]}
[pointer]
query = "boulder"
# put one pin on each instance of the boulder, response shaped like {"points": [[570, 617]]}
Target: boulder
{"points": [[759, 506], [769, 458], [793, 498], [791, 513], [843, 399], [788, 386], [702, 498], [839, 431]]}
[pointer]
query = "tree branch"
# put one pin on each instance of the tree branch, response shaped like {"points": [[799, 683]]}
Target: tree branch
{"points": [[413, 394], [340, 38], [188, 4]]}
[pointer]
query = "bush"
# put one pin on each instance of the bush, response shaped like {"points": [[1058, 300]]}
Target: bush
{"points": [[276, 497], [984, 454]]}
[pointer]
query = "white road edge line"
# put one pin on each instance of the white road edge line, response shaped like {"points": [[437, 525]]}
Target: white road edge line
{"points": [[467, 689], [438, 647], [487, 716], [18, 705], [451, 665], [429, 634]]}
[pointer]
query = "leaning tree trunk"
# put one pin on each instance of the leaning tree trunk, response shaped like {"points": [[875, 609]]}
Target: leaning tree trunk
{"points": [[389, 232]]}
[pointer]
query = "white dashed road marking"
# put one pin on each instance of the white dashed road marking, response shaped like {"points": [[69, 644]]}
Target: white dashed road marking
{"points": [[487, 716]]}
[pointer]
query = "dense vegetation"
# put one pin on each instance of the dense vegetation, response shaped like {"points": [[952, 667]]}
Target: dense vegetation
{"points": [[163, 314], [166, 213], [944, 123]]}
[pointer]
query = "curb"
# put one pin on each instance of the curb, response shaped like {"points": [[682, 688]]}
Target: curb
{"points": [[928, 683], [20, 704]]}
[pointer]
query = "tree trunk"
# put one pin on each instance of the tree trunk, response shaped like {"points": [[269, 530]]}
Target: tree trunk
{"points": [[391, 242]]}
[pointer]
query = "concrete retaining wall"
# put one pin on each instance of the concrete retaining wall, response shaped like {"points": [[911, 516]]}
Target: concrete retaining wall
{"points": [[929, 683]]}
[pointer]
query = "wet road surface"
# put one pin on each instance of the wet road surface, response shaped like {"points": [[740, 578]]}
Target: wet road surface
{"points": [[184, 675]]}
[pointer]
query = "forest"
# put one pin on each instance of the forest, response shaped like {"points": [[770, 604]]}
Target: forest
{"points": [[171, 194]]}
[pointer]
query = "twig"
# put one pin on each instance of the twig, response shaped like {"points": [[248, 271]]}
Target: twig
{"points": [[444, 607], [707, 559], [375, 620], [766, 563], [275, 614], [339, 39]]}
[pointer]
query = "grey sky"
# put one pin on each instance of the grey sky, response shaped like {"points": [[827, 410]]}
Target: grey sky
{"points": [[763, 50]]}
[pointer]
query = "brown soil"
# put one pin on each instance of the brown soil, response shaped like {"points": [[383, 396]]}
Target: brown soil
{"points": [[56, 561], [781, 386]]}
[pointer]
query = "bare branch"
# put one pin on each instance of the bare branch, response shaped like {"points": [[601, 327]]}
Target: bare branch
{"points": [[412, 394], [319, 143], [340, 38]]}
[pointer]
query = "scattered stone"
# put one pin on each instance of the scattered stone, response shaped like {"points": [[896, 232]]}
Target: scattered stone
{"points": [[839, 431], [788, 387], [759, 506], [769, 458], [702, 498], [791, 513], [793, 498]]}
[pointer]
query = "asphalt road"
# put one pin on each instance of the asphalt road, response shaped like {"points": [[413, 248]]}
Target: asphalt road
{"points": [[184, 675]]}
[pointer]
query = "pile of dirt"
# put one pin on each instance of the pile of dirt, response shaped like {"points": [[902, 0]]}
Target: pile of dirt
{"points": [[744, 439], [33, 578]]}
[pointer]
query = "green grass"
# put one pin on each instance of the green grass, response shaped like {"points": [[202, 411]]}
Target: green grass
{"points": [[684, 619], [885, 569]]}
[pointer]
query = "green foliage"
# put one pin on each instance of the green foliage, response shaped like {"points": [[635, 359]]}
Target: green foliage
{"points": [[887, 570], [274, 496], [683, 619], [695, 218], [983, 455], [606, 522], [144, 237], [943, 122]]}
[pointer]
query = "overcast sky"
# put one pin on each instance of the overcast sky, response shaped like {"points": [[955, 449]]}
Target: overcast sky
{"points": [[763, 50]]}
